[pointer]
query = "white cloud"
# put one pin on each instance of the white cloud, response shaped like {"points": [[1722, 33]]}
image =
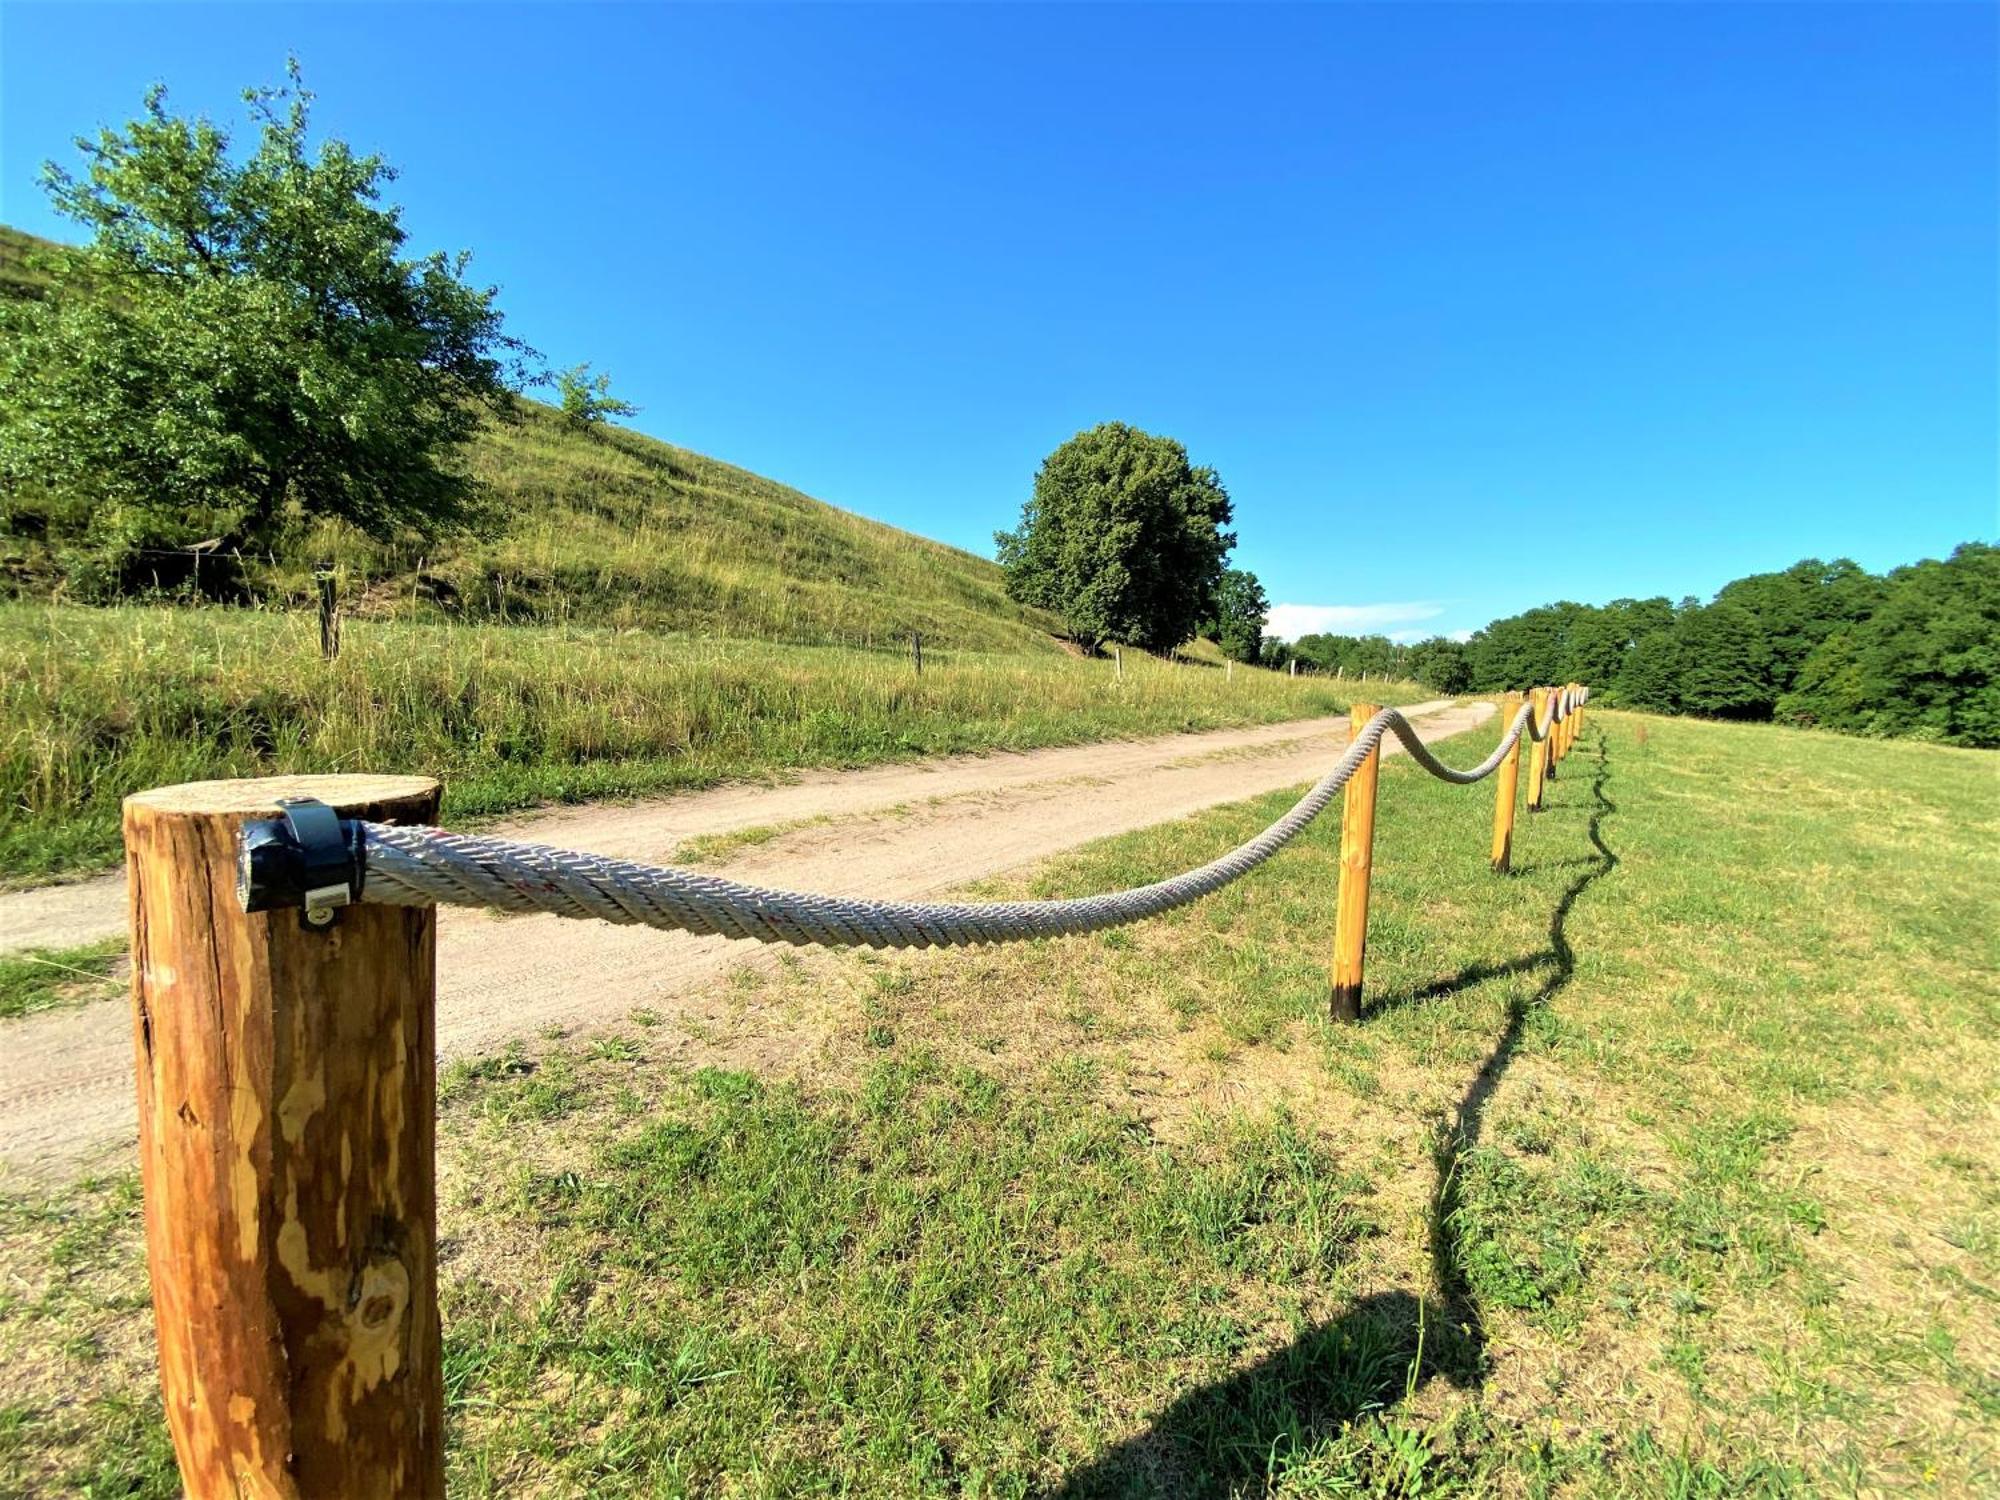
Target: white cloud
{"points": [[1461, 636], [1290, 621]]}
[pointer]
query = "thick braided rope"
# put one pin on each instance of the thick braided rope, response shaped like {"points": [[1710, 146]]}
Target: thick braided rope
{"points": [[429, 866]]}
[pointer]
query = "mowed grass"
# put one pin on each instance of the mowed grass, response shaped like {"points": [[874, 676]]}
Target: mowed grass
{"points": [[1663, 1166], [96, 704]]}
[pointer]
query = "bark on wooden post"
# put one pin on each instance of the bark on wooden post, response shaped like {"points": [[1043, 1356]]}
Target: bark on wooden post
{"points": [[1538, 756], [1506, 785], [1357, 856], [287, 1100], [917, 650]]}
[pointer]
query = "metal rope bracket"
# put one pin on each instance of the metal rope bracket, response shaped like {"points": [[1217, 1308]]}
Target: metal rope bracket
{"points": [[310, 858]]}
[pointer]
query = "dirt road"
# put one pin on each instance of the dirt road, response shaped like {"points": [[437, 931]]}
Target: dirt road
{"points": [[907, 831]]}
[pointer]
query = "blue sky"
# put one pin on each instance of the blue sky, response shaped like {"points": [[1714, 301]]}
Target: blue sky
{"points": [[1473, 307]]}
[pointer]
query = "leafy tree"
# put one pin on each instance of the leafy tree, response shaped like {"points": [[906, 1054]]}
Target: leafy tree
{"points": [[1726, 663], [1650, 675], [241, 347], [586, 399], [1240, 612], [1440, 664], [1123, 538], [1524, 651], [1926, 662], [1801, 607]]}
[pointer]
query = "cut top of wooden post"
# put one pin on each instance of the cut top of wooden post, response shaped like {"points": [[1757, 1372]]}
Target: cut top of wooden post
{"points": [[352, 796]]}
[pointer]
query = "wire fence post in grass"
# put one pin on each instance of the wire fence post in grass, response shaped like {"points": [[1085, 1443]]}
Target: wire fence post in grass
{"points": [[1506, 785], [1538, 753], [917, 650], [329, 618], [287, 1122], [1357, 855]]}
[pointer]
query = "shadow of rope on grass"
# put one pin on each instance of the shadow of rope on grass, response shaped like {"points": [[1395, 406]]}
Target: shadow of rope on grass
{"points": [[1231, 1436], [1463, 1355]]}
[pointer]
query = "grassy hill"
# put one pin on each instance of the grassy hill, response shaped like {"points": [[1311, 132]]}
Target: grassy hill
{"points": [[688, 621], [614, 528]]}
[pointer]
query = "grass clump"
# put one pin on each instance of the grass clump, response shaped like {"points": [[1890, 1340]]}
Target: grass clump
{"points": [[48, 978]]}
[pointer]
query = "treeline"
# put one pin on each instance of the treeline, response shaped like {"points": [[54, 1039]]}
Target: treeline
{"points": [[1912, 652]]}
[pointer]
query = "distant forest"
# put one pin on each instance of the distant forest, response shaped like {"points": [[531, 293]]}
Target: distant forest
{"points": [[1913, 652]]}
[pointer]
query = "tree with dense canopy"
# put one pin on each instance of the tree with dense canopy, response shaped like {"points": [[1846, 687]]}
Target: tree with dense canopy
{"points": [[240, 348], [1122, 538], [1240, 612]]}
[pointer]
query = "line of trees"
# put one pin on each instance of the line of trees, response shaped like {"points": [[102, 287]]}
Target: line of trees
{"points": [[1913, 652]]}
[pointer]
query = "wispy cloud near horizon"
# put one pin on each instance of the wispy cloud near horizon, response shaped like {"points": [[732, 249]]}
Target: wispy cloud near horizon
{"points": [[1288, 622]]}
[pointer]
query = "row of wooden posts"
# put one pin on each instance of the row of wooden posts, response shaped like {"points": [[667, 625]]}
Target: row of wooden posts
{"points": [[287, 1115], [1357, 830]]}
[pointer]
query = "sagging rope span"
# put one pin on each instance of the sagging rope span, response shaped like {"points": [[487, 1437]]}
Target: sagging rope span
{"points": [[415, 866]]}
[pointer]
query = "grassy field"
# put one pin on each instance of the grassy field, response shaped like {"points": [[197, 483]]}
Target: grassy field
{"points": [[95, 704], [1664, 1166]]}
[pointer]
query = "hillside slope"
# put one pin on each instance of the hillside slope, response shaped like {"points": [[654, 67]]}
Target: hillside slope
{"points": [[612, 527]]}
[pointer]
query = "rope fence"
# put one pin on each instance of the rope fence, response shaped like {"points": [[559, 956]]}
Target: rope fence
{"points": [[284, 1021], [421, 866]]}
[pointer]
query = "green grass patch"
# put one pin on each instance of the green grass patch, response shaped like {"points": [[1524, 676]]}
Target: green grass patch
{"points": [[49, 978]]}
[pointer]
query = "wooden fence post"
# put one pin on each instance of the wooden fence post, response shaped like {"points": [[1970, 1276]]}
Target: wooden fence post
{"points": [[1357, 857], [329, 618], [287, 1121], [1538, 756], [917, 650], [1118, 663], [1506, 784]]}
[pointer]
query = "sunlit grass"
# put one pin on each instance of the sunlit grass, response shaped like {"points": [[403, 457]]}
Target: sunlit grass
{"points": [[96, 704]]}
